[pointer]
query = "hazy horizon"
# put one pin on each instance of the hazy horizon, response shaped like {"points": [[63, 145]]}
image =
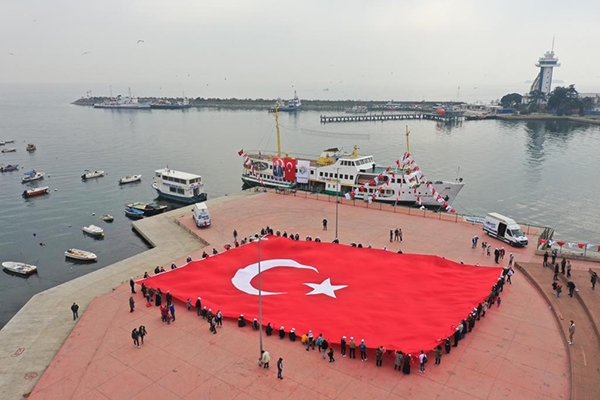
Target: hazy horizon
{"points": [[463, 50]]}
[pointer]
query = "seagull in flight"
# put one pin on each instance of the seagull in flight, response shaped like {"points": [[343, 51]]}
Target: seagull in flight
{"points": [[140, 41], [87, 52]]}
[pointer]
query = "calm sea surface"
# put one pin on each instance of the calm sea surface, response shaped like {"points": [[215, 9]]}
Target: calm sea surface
{"points": [[542, 173]]}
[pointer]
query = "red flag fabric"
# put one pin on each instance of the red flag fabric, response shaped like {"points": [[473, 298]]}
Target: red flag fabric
{"points": [[400, 301], [542, 240], [290, 169], [581, 245], [561, 243], [241, 152]]}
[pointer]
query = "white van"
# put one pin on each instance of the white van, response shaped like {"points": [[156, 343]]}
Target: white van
{"points": [[201, 215], [505, 229]]}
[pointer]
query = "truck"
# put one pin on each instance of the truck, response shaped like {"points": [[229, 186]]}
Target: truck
{"points": [[505, 229], [201, 215]]}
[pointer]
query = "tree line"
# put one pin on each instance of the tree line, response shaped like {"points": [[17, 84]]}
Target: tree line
{"points": [[561, 101]]}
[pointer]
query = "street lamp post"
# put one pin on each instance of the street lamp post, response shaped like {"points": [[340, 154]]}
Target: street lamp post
{"points": [[337, 194]]}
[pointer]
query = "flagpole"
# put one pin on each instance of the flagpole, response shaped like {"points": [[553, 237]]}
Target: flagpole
{"points": [[337, 174], [260, 321]]}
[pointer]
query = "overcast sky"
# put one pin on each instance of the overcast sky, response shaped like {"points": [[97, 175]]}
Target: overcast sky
{"points": [[328, 49]]}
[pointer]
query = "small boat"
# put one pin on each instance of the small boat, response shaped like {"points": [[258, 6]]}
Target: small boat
{"points": [[9, 167], [31, 147], [133, 213], [9, 141], [130, 179], [36, 191], [9, 150], [107, 218], [82, 255], [179, 186], [93, 230], [148, 209], [2, 143], [19, 268], [31, 176], [92, 174]]}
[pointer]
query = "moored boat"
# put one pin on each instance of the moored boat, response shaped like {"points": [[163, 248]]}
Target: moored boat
{"points": [[124, 103], [350, 175], [148, 209], [167, 105], [107, 218], [133, 213], [130, 179], [287, 106], [81, 255], [91, 174], [357, 110], [93, 230], [36, 191], [179, 186], [9, 167], [30, 147], [31, 176], [9, 150], [19, 268]]}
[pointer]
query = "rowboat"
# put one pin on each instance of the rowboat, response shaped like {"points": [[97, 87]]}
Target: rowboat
{"points": [[81, 255], [31, 176], [30, 147], [36, 191], [93, 230], [9, 141], [107, 218], [9, 150], [92, 174], [133, 213], [130, 179], [19, 268], [9, 167]]}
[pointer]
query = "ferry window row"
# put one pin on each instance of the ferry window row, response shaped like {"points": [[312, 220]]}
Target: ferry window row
{"points": [[332, 175], [168, 178], [176, 190]]}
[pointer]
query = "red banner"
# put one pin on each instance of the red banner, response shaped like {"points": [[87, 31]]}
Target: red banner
{"points": [[401, 301], [290, 169]]}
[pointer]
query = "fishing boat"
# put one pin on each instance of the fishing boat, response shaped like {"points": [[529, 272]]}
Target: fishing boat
{"points": [[2, 143], [179, 186], [9, 141], [93, 230], [107, 218], [31, 176], [30, 147], [19, 268], [133, 213], [287, 106], [130, 179], [91, 174], [347, 174], [36, 191], [81, 255], [9, 150], [148, 209], [9, 167]]}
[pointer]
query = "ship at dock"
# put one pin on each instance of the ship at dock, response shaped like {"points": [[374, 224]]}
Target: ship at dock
{"points": [[168, 105], [291, 105], [178, 186], [348, 174], [123, 103]]}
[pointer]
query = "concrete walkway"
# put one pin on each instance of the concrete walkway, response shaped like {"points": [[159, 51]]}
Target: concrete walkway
{"points": [[516, 351]]}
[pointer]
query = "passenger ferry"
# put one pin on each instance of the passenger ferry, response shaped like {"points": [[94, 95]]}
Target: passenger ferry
{"points": [[179, 186], [339, 173]]}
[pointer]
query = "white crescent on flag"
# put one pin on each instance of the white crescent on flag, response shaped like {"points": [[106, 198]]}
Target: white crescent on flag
{"points": [[242, 278]]}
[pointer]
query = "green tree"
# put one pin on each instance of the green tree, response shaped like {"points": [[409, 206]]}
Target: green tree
{"points": [[586, 104], [511, 100], [564, 99]]}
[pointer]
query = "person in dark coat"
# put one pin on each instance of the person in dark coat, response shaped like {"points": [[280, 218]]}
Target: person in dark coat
{"points": [[594, 279], [269, 329], [281, 332], [132, 284], [241, 321], [280, 368], [142, 332], [556, 272], [151, 293], [172, 309], [406, 365], [343, 346], [158, 300], [75, 309], [131, 303], [157, 270], [135, 335], [144, 289], [447, 345], [198, 305], [545, 264], [563, 265], [292, 335], [571, 287]]}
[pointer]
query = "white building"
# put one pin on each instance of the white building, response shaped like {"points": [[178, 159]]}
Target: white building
{"points": [[543, 82]]}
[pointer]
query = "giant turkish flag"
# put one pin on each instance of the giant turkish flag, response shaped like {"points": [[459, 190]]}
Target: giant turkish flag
{"points": [[290, 169], [401, 301]]}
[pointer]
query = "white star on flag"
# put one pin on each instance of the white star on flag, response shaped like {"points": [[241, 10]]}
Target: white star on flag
{"points": [[325, 288]]}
